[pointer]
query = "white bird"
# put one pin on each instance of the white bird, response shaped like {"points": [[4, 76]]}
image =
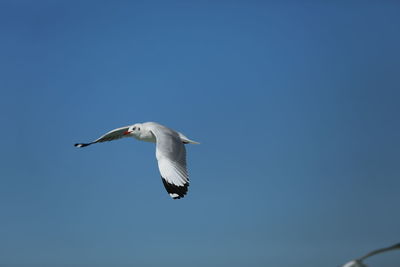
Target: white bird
{"points": [[170, 152], [358, 262]]}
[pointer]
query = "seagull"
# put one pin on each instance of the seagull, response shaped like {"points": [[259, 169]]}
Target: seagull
{"points": [[170, 152], [358, 262]]}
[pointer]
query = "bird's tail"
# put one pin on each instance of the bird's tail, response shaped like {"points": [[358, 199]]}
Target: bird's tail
{"points": [[186, 140]]}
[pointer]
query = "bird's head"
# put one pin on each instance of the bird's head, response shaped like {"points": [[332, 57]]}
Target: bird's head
{"points": [[134, 130]]}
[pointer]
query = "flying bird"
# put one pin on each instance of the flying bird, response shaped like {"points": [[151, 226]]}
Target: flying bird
{"points": [[359, 262], [170, 152]]}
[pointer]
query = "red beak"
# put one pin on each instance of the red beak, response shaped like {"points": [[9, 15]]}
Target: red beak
{"points": [[127, 132]]}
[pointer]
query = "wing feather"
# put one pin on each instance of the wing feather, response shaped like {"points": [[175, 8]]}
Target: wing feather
{"points": [[171, 157], [110, 136]]}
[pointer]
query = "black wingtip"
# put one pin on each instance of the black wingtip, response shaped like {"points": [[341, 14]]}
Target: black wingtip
{"points": [[175, 191], [81, 145]]}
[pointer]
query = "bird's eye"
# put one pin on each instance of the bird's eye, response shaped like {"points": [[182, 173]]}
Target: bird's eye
{"points": [[138, 129], [133, 128]]}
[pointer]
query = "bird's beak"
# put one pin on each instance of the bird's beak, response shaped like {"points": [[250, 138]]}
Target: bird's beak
{"points": [[127, 132]]}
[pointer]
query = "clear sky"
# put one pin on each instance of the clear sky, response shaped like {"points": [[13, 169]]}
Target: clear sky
{"points": [[296, 107]]}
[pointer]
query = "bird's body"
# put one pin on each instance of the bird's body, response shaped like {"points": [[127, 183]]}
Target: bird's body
{"points": [[170, 152]]}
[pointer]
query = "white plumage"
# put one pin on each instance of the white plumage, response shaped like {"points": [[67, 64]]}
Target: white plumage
{"points": [[170, 152]]}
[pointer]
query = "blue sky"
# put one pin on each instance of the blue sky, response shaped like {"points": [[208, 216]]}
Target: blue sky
{"points": [[296, 106]]}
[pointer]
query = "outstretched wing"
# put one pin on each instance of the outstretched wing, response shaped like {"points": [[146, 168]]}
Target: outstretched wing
{"points": [[171, 157], [381, 250], [111, 135], [354, 263]]}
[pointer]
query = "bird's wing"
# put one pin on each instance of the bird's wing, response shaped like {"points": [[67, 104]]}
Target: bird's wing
{"points": [[354, 263], [171, 157], [111, 135], [377, 251]]}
